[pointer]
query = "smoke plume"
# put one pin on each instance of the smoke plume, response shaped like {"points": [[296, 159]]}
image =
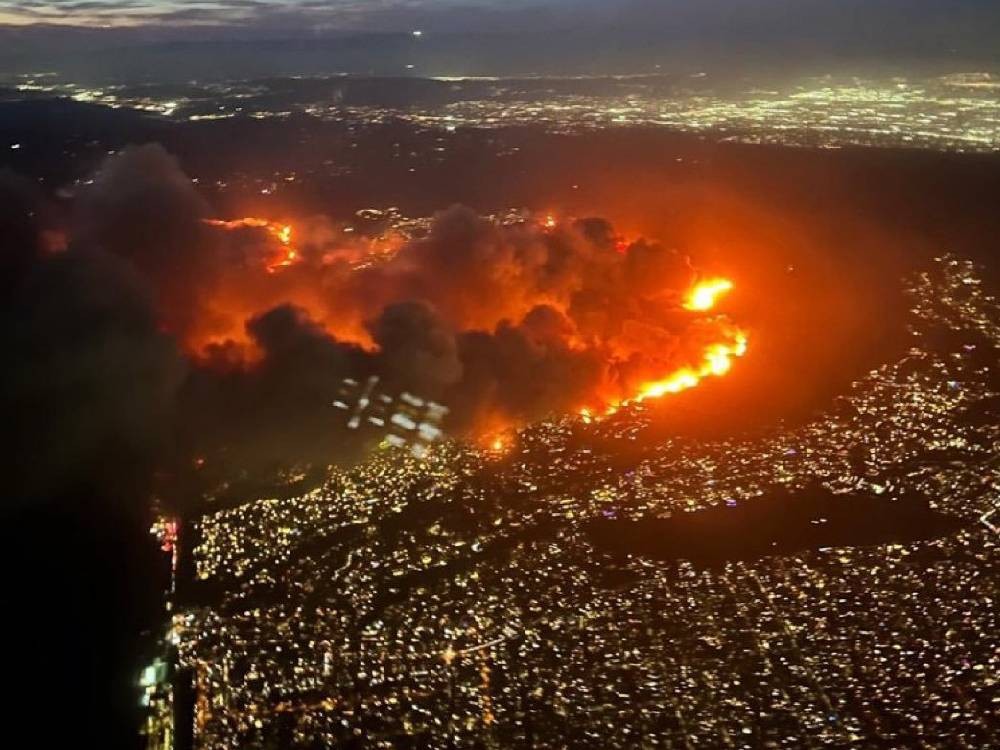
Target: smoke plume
{"points": [[158, 330]]}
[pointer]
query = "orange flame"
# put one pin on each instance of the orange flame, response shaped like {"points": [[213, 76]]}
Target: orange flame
{"points": [[705, 294], [717, 358], [714, 360], [281, 232]]}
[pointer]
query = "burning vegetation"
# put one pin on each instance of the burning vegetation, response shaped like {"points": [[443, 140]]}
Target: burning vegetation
{"points": [[259, 321], [457, 313]]}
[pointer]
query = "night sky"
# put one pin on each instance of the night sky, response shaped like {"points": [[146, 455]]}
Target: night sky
{"points": [[501, 37], [816, 17]]}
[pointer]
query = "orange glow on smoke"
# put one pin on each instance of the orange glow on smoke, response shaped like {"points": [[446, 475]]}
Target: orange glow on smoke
{"points": [[705, 294], [277, 263], [337, 282]]}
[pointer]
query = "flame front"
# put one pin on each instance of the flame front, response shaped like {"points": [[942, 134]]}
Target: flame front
{"points": [[717, 358]]}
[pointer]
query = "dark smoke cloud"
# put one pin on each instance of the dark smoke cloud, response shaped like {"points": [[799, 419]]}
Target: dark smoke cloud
{"points": [[417, 349], [477, 273], [87, 397], [278, 410], [504, 324], [88, 391], [522, 373], [20, 203], [142, 208]]}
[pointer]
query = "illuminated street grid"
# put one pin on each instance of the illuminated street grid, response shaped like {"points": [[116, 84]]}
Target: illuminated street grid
{"points": [[955, 112], [896, 112], [456, 601]]}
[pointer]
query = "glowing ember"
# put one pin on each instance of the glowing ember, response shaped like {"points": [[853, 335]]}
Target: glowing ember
{"points": [[705, 294]]}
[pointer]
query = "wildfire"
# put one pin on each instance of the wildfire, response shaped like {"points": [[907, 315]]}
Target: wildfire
{"points": [[638, 369], [497, 443], [717, 358], [280, 232], [705, 294]]}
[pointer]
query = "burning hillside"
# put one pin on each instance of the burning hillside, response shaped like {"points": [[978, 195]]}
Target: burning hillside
{"points": [[504, 323], [466, 311]]}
